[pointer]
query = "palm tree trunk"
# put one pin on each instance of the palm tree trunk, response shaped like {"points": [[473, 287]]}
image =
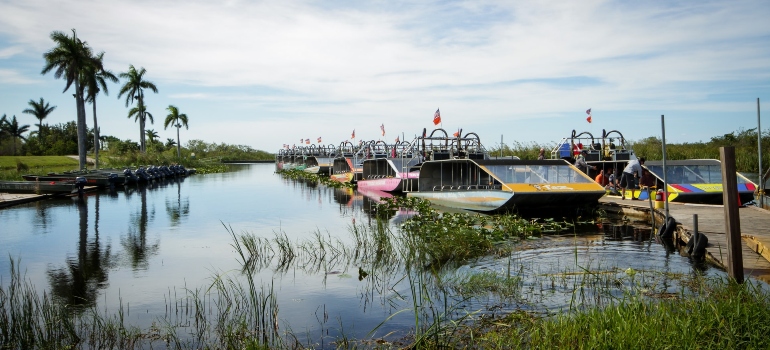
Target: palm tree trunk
{"points": [[96, 137], [141, 137], [40, 132], [178, 149], [81, 125], [141, 126]]}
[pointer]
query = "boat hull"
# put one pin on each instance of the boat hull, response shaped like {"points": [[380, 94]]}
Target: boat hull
{"points": [[52, 187], [477, 200]]}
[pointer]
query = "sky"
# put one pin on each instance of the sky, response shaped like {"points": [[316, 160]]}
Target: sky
{"points": [[269, 73]]}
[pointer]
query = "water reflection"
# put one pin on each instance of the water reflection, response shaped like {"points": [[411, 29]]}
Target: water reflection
{"points": [[181, 208], [78, 283], [135, 242]]}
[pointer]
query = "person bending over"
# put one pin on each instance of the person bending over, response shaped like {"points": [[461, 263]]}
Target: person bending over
{"points": [[632, 171]]}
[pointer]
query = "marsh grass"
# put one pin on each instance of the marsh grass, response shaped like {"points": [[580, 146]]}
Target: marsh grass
{"points": [[296, 174], [509, 305], [711, 313]]}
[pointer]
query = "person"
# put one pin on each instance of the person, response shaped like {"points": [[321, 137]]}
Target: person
{"points": [[541, 156], [613, 180], [602, 179], [630, 174], [647, 179], [580, 163]]}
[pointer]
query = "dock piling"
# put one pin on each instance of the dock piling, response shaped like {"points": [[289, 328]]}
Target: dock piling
{"points": [[732, 218]]}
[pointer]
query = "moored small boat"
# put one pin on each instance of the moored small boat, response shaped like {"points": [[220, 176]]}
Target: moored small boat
{"points": [[42, 187]]}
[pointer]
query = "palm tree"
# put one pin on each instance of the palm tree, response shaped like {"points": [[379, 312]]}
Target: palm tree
{"points": [[140, 114], [40, 110], [133, 88], [170, 143], [177, 120], [69, 59], [3, 120], [95, 81], [13, 128], [151, 134]]}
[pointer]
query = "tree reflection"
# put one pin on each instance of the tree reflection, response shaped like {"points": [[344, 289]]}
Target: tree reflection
{"points": [[79, 282], [176, 211], [135, 242]]}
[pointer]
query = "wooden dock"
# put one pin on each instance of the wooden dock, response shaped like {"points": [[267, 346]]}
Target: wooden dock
{"points": [[10, 199], [755, 231]]}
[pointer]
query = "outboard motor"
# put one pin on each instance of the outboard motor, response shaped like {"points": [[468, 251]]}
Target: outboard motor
{"points": [[80, 183], [142, 174], [112, 178], [130, 177]]}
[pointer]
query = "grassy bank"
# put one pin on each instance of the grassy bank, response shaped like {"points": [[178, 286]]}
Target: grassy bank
{"points": [[711, 314], [12, 167]]}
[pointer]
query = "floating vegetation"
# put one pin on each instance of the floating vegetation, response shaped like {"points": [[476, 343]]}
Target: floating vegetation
{"points": [[297, 174]]}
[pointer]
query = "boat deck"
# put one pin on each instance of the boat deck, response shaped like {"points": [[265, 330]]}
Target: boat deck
{"points": [[754, 223]]}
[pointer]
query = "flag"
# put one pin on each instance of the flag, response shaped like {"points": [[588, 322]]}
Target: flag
{"points": [[382, 127], [301, 140], [588, 119], [319, 139], [588, 111], [397, 140], [307, 141], [353, 136], [457, 133], [437, 117]]}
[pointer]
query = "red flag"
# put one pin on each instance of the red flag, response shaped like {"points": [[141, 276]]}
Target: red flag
{"points": [[319, 139], [307, 141], [588, 119], [437, 117], [382, 127], [354, 134], [457, 133]]}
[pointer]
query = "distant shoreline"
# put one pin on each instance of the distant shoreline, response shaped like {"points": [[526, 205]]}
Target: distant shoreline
{"points": [[247, 161]]}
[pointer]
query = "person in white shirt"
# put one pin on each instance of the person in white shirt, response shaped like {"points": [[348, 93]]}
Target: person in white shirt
{"points": [[632, 171]]}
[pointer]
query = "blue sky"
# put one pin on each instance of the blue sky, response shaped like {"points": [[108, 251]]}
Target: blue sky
{"points": [[266, 73]]}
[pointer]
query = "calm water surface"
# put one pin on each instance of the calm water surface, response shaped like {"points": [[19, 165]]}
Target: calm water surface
{"points": [[144, 245]]}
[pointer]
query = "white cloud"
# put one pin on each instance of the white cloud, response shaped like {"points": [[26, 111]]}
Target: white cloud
{"points": [[396, 61]]}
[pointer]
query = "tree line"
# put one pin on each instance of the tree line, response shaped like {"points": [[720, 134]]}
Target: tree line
{"points": [[73, 60]]}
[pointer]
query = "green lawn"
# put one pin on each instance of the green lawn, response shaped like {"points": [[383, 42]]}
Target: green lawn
{"points": [[12, 168], [11, 162]]}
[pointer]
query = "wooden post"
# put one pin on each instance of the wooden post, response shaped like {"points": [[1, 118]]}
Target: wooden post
{"points": [[694, 224], [760, 183], [732, 218]]}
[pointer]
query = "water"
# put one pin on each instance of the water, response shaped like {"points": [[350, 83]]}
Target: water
{"points": [[144, 247]]}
